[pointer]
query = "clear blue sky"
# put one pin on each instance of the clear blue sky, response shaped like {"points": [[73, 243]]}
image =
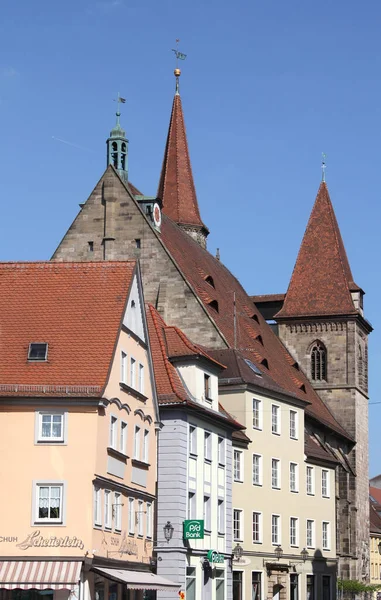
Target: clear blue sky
{"points": [[266, 87]]}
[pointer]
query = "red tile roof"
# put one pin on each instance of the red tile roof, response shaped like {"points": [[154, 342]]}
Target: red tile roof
{"points": [[77, 308], [268, 298], [178, 345], [374, 518], [176, 186], [195, 262], [322, 278], [376, 494]]}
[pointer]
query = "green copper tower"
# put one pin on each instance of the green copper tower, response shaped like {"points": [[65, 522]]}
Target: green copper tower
{"points": [[117, 146]]}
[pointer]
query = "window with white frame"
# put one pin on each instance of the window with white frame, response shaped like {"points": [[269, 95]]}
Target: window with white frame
{"points": [[137, 442], [123, 367], [192, 440], [257, 469], [140, 518], [49, 502], [275, 473], [117, 511], [145, 446], [220, 584], [275, 419], [221, 451], [141, 379], [131, 516], [294, 477], [294, 531], [221, 516], [237, 525], [113, 431], [123, 437], [326, 535], [293, 425], [310, 481], [51, 426], [207, 513], [207, 387], [133, 372], [190, 583], [325, 483], [257, 517], [191, 505], [97, 506], [257, 414], [207, 446], [238, 465], [310, 533], [275, 530], [107, 507], [149, 520]]}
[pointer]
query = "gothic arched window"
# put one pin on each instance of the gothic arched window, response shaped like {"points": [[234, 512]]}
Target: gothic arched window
{"points": [[318, 362]]}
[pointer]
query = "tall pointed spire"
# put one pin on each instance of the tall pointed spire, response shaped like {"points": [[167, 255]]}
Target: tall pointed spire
{"points": [[176, 185], [322, 281], [117, 145]]}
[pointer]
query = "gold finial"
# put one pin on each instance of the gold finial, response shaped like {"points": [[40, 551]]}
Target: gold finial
{"points": [[177, 72], [179, 56]]}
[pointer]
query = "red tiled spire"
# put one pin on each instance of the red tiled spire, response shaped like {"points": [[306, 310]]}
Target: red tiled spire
{"points": [[322, 281], [176, 186]]}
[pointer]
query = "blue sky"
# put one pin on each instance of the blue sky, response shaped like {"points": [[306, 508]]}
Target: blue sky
{"points": [[266, 87]]}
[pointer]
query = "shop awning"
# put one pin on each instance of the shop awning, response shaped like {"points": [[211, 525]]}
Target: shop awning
{"points": [[138, 580], [39, 574]]}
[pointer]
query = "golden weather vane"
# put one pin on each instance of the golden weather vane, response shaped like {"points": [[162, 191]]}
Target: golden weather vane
{"points": [[179, 56]]}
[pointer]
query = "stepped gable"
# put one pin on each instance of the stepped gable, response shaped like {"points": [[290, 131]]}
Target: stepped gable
{"points": [[76, 308], [322, 280], [192, 260]]}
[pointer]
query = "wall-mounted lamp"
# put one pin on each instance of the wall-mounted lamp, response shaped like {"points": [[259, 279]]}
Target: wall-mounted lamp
{"points": [[304, 554], [168, 531], [278, 552], [237, 552]]}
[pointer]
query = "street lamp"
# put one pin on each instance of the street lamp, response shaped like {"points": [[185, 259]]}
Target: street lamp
{"points": [[168, 531], [237, 552], [305, 555], [278, 552]]}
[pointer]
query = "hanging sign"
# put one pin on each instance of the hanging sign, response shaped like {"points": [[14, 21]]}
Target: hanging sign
{"points": [[193, 529], [214, 557]]}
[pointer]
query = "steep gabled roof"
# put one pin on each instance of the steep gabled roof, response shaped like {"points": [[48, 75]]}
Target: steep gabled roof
{"points": [[322, 280], [76, 308], [176, 186]]}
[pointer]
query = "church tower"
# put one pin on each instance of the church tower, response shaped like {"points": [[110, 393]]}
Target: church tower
{"points": [[322, 324], [176, 185], [117, 146]]}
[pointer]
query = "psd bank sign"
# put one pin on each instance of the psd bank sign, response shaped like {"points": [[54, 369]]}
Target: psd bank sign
{"points": [[193, 529]]}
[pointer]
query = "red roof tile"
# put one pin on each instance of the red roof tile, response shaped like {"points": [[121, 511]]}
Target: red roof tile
{"points": [[76, 308], [375, 493], [322, 278], [374, 518], [179, 345], [176, 186]]}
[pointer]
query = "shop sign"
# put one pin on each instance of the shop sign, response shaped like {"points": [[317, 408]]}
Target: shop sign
{"points": [[214, 557], [193, 529], [35, 539]]}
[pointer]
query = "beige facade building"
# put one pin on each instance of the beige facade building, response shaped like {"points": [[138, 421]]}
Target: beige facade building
{"points": [[78, 419]]}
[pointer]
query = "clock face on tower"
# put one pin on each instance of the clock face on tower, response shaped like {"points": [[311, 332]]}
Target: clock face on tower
{"points": [[156, 215]]}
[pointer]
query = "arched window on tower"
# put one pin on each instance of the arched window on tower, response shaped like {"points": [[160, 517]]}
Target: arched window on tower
{"points": [[318, 362], [115, 154], [123, 157]]}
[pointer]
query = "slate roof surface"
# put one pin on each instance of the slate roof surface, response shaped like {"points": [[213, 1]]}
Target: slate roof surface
{"points": [[322, 279], [76, 308]]}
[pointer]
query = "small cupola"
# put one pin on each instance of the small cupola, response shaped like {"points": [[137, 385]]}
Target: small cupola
{"points": [[117, 145]]}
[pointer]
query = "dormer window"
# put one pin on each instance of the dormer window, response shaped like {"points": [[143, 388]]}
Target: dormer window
{"points": [[38, 351], [207, 387], [214, 304], [209, 279]]}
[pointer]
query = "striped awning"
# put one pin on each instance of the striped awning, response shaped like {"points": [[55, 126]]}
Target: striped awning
{"points": [[138, 580], [39, 574]]}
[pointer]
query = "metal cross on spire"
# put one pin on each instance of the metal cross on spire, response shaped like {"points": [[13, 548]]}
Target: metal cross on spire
{"points": [[179, 56], [323, 166], [119, 100]]}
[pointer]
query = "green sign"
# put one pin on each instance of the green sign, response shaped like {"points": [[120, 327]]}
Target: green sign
{"points": [[214, 557], [194, 529]]}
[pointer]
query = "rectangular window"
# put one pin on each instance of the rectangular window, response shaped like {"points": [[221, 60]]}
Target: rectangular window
{"points": [[107, 519], [310, 483], [207, 514], [294, 477], [275, 530], [294, 586], [310, 587], [137, 443], [257, 536], [192, 440], [192, 505], [149, 520], [237, 466], [237, 525], [256, 584], [257, 414], [123, 367], [326, 535], [132, 373], [221, 516], [275, 474], [221, 451], [257, 469], [131, 516], [326, 580], [49, 503], [310, 538], [140, 518], [220, 584], [293, 425], [275, 422], [325, 483], [207, 387], [207, 446], [141, 379], [117, 511], [38, 351], [294, 533], [123, 437], [50, 427], [190, 583], [97, 506], [237, 585], [145, 446], [113, 432]]}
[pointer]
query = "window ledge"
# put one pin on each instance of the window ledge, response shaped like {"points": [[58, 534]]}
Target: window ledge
{"points": [[193, 454], [258, 484], [48, 523], [140, 463], [276, 433], [133, 391], [294, 491], [116, 454]]}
